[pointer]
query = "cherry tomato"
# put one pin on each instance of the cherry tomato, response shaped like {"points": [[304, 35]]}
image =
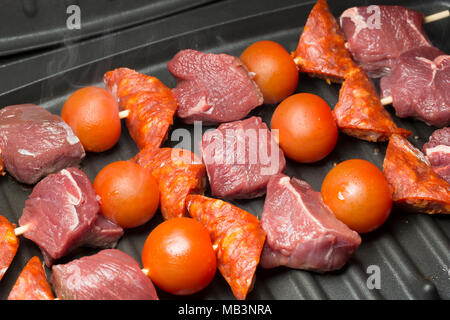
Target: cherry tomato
{"points": [[179, 256], [276, 73], [306, 127], [358, 194], [129, 195], [93, 115]]}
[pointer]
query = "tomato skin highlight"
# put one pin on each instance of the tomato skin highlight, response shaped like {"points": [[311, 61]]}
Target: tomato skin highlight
{"points": [[129, 194], [358, 194], [93, 115], [276, 73], [306, 127], [179, 256]]}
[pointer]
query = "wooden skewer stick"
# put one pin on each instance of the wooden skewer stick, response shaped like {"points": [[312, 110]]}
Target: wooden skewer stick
{"points": [[437, 16], [431, 18], [386, 100], [123, 114]]}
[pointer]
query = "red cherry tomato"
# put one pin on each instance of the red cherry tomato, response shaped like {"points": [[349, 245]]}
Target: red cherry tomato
{"points": [[129, 194], [93, 115], [306, 127], [179, 256], [358, 194], [276, 73]]}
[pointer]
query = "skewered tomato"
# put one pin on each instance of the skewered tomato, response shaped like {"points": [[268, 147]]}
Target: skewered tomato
{"points": [[129, 194], [358, 194], [276, 73], [307, 130], [179, 256], [93, 115]]}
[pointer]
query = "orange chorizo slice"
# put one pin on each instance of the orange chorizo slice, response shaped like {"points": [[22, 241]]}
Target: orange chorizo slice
{"points": [[178, 172], [2, 167], [9, 244], [321, 48], [32, 283], [237, 237], [413, 183], [151, 105], [359, 112]]}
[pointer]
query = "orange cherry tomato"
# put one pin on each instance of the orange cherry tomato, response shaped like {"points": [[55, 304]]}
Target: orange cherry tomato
{"points": [[93, 115], [179, 256], [129, 195], [276, 73], [306, 127], [358, 194]]}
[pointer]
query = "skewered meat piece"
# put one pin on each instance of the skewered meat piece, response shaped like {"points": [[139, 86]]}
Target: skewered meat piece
{"points": [[240, 158], [420, 86], [212, 88], [62, 213], [321, 49], [9, 244], [178, 172], [437, 150], [315, 239], [34, 143], [378, 35], [359, 112], [413, 183], [108, 275], [32, 283], [150, 103], [238, 237]]}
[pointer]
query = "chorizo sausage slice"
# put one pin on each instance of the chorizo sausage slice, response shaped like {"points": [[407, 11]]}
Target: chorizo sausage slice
{"points": [[178, 172], [151, 105], [412, 181], [321, 48], [237, 236], [9, 244], [32, 283], [2, 167], [359, 112]]}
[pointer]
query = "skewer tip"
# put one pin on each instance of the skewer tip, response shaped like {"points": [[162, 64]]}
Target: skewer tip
{"points": [[123, 114], [20, 230], [386, 101], [437, 16]]}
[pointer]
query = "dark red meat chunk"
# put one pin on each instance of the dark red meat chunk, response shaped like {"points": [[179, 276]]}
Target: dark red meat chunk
{"points": [[212, 88], [302, 232], [34, 143], [437, 150], [377, 35], [420, 86], [62, 213], [240, 157], [108, 275]]}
